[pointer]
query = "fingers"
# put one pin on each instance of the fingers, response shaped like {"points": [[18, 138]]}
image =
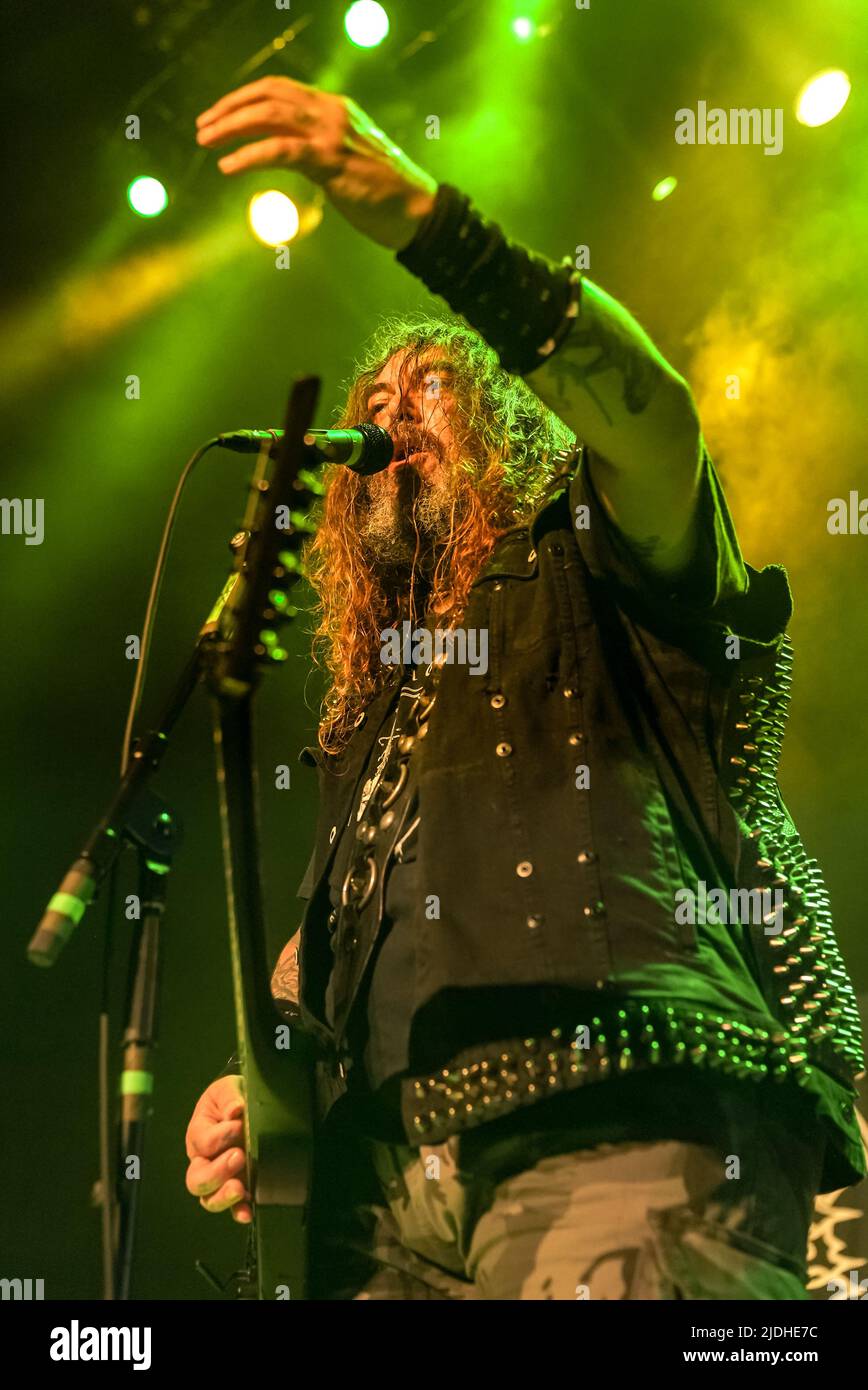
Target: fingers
{"points": [[228, 1197], [233, 1107], [217, 1171], [265, 154], [267, 117], [276, 107], [206, 1176], [206, 1139], [283, 89]]}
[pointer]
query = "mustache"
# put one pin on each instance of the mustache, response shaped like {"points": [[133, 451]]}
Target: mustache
{"points": [[415, 441]]}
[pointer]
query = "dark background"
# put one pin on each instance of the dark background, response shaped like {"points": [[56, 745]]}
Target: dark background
{"points": [[755, 266]]}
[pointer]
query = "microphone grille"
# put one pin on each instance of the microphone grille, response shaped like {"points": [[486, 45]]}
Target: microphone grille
{"points": [[378, 451]]}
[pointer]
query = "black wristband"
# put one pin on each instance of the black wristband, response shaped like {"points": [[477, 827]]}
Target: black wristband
{"points": [[521, 303]]}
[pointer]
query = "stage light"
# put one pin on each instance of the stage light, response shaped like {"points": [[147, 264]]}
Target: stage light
{"points": [[273, 217], [523, 28], [662, 189], [366, 23], [823, 97], [147, 197]]}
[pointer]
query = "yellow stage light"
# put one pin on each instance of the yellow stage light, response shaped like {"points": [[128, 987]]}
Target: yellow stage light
{"points": [[273, 218], [823, 97]]}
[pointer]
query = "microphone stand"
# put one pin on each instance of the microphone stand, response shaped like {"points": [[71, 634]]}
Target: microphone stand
{"points": [[137, 816], [139, 1040]]}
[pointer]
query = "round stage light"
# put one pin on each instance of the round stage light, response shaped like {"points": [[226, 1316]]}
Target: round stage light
{"points": [[823, 97], [273, 218], [147, 197], [662, 189], [523, 28], [366, 23]]}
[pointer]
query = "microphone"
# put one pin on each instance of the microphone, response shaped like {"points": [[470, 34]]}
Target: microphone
{"points": [[364, 448]]}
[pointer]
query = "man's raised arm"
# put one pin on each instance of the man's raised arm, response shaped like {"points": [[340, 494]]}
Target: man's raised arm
{"points": [[587, 359], [580, 351]]}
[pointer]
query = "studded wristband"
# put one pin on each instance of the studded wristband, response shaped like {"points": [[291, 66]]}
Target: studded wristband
{"points": [[521, 303]]}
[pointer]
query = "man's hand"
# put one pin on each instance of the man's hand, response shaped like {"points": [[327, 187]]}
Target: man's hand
{"points": [[330, 140], [216, 1172]]}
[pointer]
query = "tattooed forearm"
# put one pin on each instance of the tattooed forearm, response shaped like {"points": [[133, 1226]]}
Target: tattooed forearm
{"points": [[637, 418], [600, 345], [284, 981], [609, 383]]}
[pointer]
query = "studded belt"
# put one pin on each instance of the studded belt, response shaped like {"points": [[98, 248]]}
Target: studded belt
{"points": [[486, 1082]]}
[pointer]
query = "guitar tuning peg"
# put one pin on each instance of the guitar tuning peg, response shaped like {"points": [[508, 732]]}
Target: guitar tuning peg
{"points": [[290, 561]]}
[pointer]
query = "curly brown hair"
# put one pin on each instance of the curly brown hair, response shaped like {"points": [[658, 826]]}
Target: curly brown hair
{"points": [[507, 443]]}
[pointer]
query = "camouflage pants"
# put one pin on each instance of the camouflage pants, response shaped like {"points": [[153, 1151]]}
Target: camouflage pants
{"points": [[620, 1221], [552, 1218]]}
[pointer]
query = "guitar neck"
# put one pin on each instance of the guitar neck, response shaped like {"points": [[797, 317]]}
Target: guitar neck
{"points": [[276, 1059], [276, 1064]]}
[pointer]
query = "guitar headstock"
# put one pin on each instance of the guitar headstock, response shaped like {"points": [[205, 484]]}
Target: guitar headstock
{"points": [[268, 560]]}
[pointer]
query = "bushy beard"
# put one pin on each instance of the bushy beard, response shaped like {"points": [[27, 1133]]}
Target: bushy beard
{"points": [[405, 518]]}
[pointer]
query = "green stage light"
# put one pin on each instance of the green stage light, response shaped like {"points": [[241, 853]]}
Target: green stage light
{"points": [[366, 23], [147, 197], [523, 28], [823, 97], [273, 217], [662, 189]]}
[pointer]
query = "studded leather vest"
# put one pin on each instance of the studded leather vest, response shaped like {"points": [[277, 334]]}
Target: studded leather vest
{"points": [[620, 747]]}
